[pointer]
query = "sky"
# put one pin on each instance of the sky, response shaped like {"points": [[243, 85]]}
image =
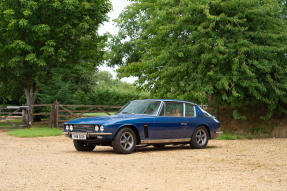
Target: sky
{"points": [[118, 6]]}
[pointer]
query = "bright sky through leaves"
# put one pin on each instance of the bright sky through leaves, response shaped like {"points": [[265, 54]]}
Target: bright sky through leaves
{"points": [[118, 6]]}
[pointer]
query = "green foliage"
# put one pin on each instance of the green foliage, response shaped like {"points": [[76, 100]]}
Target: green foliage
{"points": [[67, 88], [237, 116], [261, 131], [39, 37], [35, 132], [11, 95], [231, 51], [110, 91], [93, 88], [233, 137]]}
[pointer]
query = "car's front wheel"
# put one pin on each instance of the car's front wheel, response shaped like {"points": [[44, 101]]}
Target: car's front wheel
{"points": [[125, 141], [84, 146], [199, 138]]}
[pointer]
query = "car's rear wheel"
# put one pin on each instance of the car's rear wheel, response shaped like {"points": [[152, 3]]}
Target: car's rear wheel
{"points": [[84, 146], [125, 141], [199, 138]]}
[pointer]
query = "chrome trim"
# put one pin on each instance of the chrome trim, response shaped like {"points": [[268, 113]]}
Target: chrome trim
{"points": [[165, 140], [159, 108], [100, 133], [69, 133], [218, 132], [184, 109]]}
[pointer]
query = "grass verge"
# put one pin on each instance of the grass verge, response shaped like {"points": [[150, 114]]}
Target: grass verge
{"points": [[4, 123], [234, 137], [35, 132]]}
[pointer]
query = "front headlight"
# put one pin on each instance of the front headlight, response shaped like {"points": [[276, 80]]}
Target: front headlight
{"points": [[102, 128], [71, 127], [97, 128], [67, 127]]}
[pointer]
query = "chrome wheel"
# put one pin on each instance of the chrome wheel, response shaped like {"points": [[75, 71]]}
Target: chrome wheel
{"points": [[127, 141], [201, 137]]}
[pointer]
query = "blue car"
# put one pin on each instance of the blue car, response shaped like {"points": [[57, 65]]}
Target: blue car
{"points": [[154, 122]]}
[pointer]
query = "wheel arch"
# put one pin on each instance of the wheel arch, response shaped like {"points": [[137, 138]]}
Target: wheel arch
{"points": [[207, 128], [131, 127]]}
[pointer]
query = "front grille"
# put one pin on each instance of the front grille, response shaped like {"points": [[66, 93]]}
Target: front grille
{"points": [[83, 128]]}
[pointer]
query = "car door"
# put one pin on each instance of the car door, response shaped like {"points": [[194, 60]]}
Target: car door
{"points": [[171, 124]]}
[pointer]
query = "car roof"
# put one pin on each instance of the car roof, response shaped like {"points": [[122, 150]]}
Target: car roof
{"points": [[171, 100]]}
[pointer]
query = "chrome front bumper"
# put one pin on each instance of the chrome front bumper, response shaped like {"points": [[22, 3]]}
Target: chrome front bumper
{"points": [[88, 134]]}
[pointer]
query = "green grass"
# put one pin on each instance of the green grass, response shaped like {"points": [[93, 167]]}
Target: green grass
{"points": [[233, 137], [35, 132], [6, 124], [14, 120]]}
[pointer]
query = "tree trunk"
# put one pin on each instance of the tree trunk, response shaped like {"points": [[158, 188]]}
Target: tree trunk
{"points": [[31, 94]]}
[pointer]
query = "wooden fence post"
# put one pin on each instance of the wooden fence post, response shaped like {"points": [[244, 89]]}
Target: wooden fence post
{"points": [[51, 123], [55, 113], [26, 120]]}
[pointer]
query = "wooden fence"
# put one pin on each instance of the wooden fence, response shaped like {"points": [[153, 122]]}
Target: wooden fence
{"points": [[53, 115], [57, 114], [14, 117]]}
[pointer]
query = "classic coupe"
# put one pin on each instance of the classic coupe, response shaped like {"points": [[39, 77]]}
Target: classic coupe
{"points": [[156, 122]]}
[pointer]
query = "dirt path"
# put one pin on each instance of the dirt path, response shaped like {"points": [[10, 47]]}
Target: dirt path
{"points": [[51, 163]]}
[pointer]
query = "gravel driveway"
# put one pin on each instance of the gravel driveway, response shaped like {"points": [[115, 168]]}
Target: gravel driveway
{"points": [[51, 163]]}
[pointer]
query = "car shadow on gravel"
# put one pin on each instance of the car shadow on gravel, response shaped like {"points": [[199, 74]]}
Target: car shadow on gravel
{"points": [[168, 148], [144, 149]]}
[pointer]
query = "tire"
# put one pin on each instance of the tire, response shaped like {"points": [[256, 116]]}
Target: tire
{"points": [[158, 146], [125, 141], [199, 138], [84, 146]]}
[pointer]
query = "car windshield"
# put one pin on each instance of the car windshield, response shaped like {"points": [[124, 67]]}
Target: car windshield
{"points": [[148, 107]]}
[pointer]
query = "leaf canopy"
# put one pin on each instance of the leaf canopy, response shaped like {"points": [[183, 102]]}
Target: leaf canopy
{"points": [[38, 37], [231, 51]]}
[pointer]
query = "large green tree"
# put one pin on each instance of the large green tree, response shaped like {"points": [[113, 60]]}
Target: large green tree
{"points": [[38, 37], [225, 52]]}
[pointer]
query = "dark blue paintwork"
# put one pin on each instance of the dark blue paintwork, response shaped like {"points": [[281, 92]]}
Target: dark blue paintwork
{"points": [[159, 127]]}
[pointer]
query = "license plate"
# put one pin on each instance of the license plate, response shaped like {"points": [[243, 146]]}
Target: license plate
{"points": [[79, 136]]}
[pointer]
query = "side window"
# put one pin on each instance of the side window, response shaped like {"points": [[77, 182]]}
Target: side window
{"points": [[174, 109], [189, 110]]}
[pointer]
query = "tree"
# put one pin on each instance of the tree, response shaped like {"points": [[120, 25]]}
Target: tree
{"points": [[227, 52], [39, 37], [109, 91]]}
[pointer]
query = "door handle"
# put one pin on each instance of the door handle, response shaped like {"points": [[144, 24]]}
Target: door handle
{"points": [[183, 123]]}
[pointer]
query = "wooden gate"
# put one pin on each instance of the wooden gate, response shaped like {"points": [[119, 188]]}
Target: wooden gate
{"points": [[14, 117], [56, 114], [65, 113], [53, 115]]}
